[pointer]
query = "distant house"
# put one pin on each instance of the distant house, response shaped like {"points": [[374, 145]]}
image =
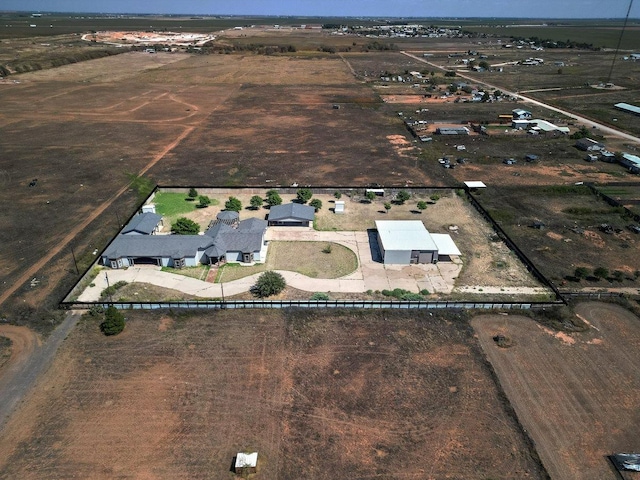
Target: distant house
{"points": [[628, 107], [547, 127], [291, 215], [452, 131], [589, 145], [408, 241], [519, 114], [143, 224], [632, 162], [520, 124], [591, 157], [246, 463], [607, 157], [531, 157]]}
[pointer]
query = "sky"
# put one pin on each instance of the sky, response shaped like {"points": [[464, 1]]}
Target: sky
{"points": [[355, 8]]}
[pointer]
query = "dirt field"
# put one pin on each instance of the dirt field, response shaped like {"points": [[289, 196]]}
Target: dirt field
{"points": [[577, 395], [318, 395]]}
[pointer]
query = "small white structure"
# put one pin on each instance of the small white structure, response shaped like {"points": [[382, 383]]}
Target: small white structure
{"points": [[473, 184], [246, 463], [339, 209], [149, 208]]}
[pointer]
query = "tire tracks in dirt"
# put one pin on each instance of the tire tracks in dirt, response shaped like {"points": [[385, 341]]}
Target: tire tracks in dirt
{"points": [[44, 260]]}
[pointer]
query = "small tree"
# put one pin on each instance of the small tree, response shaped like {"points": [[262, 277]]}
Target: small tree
{"points": [[601, 272], [193, 194], [203, 201], [273, 198], [269, 283], [233, 204], [319, 296], [316, 203], [255, 202], [422, 205], [402, 196], [337, 195], [185, 226], [113, 322], [581, 272], [435, 197], [371, 196], [387, 206], [304, 194]]}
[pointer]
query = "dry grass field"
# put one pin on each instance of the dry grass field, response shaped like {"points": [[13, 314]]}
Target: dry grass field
{"points": [[81, 129], [576, 395], [319, 395]]}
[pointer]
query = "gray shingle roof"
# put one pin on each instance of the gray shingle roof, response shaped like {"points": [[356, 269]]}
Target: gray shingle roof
{"points": [[228, 215], [144, 224], [295, 211], [165, 246], [246, 238]]}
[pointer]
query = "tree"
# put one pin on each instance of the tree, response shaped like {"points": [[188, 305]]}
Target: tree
{"points": [[581, 272], [402, 196], [304, 194], [113, 322], [601, 272], [319, 296], [185, 226], [497, 93], [484, 65], [269, 283], [316, 203], [387, 206], [255, 202], [193, 194], [435, 197], [203, 201], [233, 204], [273, 198], [422, 205], [371, 196], [337, 195]]}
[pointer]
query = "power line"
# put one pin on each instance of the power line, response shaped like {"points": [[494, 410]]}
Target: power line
{"points": [[624, 27]]}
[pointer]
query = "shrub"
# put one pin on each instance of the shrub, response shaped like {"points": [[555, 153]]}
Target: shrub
{"points": [[269, 283], [435, 197], [424, 291], [203, 201], [387, 206], [422, 205], [255, 202], [581, 272], [402, 196], [111, 289], [113, 322], [601, 272], [304, 195], [319, 296], [411, 297], [233, 204], [273, 198], [371, 196], [193, 194], [337, 195], [185, 226], [316, 203], [327, 249]]}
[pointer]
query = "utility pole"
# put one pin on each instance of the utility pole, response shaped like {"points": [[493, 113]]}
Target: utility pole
{"points": [[75, 262], [108, 289]]}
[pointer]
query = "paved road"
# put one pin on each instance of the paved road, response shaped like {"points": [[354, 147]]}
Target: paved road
{"points": [[15, 384], [587, 122]]}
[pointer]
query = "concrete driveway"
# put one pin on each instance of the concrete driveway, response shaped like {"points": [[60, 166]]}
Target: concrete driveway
{"points": [[370, 274]]}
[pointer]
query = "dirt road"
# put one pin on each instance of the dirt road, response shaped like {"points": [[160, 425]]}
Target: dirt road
{"points": [[577, 395], [29, 359]]}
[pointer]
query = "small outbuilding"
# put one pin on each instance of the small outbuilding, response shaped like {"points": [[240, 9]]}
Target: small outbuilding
{"points": [[589, 145], [246, 463], [291, 215], [339, 207]]}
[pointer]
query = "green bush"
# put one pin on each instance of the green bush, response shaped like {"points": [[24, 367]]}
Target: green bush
{"points": [[424, 291], [111, 289], [113, 322], [185, 226], [304, 195], [319, 296], [316, 203], [269, 283], [233, 204]]}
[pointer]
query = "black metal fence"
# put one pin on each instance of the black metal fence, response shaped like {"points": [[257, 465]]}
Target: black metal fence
{"points": [[278, 304]]}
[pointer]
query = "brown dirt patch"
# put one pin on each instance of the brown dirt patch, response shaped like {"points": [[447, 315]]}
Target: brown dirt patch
{"points": [[332, 395], [23, 342], [585, 409]]}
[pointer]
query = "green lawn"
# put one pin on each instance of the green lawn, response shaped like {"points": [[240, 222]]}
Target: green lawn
{"points": [[171, 204], [199, 272], [307, 258]]}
